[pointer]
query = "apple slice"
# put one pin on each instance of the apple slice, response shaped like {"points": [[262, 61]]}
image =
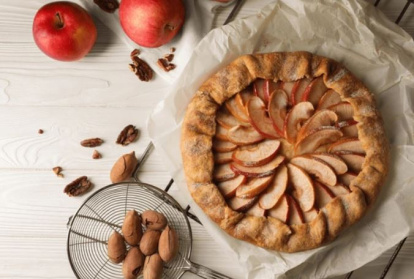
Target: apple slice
{"points": [[308, 216], [334, 161], [258, 118], [259, 89], [321, 118], [223, 157], [256, 154], [269, 87], [228, 188], [281, 210], [234, 108], [314, 91], [347, 178], [243, 135], [241, 205], [300, 91], [290, 88], [243, 97], [253, 187], [350, 130], [316, 167], [353, 145], [256, 210], [328, 99], [339, 189], [260, 171], [295, 118], [275, 190], [223, 173], [223, 146], [321, 136], [344, 111], [295, 212], [354, 161], [302, 185], [221, 133], [277, 110], [323, 195], [226, 119]]}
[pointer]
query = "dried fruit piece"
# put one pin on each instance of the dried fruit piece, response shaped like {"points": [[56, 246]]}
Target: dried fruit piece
{"points": [[123, 167], [133, 264], [108, 6], [149, 242], [94, 142], [153, 267], [57, 170], [78, 187], [116, 247], [131, 228], [168, 244], [127, 135], [153, 220], [141, 69], [96, 155]]}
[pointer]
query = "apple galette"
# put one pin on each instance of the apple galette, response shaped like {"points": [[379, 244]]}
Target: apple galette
{"points": [[284, 150]]}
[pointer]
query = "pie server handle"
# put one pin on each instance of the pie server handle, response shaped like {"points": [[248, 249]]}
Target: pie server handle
{"points": [[205, 272]]}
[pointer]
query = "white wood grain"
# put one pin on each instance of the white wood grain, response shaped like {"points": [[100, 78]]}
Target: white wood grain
{"points": [[96, 96]]}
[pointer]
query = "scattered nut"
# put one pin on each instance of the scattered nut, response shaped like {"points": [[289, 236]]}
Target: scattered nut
{"points": [[172, 49], [132, 229], [94, 142], [108, 6], [116, 247], [168, 244], [169, 57], [40, 131], [127, 135], [123, 167], [135, 52], [153, 220], [133, 264], [153, 267], [149, 242], [165, 65], [141, 69], [57, 170], [78, 187], [96, 155]]}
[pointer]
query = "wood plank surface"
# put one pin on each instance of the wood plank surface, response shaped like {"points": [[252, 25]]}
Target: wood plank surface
{"points": [[95, 97]]}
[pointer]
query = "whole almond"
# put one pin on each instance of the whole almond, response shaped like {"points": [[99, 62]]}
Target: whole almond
{"points": [[153, 220], [168, 244], [133, 264], [131, 228], [116, 247], [153, 267], [123, 167], [149, 242]]}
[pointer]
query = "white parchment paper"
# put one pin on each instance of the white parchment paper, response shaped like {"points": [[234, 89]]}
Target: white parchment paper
{"points": [[377, 51], [199, 16]]}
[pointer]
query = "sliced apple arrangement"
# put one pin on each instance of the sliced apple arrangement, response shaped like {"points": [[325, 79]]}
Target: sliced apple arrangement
{"points": [[285, 149]]}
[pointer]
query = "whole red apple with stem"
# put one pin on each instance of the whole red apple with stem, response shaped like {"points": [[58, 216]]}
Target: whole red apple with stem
{"points": [[151, 23], [64, 31]]}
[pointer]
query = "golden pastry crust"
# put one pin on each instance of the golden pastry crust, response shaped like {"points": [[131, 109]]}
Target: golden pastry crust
{"points": [[199, 127]]}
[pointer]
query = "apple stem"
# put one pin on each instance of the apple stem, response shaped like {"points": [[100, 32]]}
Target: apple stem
{"points": [[59, 21]]}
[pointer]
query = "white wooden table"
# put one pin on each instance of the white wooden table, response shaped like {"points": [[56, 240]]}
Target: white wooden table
{"points": [[95, 97]]}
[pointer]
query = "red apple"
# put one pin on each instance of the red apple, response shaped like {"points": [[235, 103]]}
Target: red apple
{"points": [[151, 23], [64, 31]]}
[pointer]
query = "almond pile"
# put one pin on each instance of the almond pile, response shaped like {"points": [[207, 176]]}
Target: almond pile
{"points": [[148, 250], [286, 149]]}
